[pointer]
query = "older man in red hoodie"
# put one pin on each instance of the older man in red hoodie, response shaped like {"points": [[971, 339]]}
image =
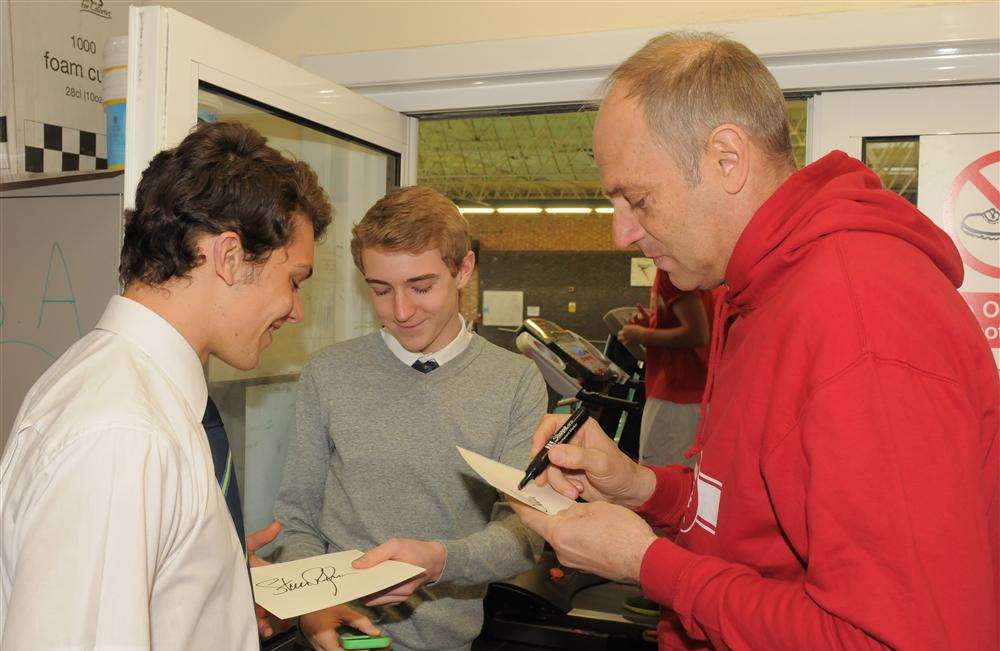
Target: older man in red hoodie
{"points": [[846, 487]]}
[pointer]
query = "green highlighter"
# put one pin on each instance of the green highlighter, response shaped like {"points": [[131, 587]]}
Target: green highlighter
{"points": [[363, 642]]}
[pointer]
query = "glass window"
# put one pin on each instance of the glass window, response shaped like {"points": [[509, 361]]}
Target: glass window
{"points": [[527, 181], [510, 157], [896, 161], [355, 175], [529, 155], [258, 405], [797, 128]]}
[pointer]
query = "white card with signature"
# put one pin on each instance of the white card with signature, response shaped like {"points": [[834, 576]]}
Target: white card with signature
{"points": [[505, 479], [311, 584]]}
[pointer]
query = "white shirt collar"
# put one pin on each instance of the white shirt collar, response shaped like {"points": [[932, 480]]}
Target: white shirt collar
{"points": [[442, 357], [162, 343]]}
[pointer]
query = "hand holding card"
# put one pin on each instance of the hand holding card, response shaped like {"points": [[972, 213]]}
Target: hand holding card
{"points": [[505, 479], [311, 584]]}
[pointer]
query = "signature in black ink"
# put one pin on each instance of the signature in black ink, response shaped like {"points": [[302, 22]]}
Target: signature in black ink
{"points": [[531, 500], [310, 577]]}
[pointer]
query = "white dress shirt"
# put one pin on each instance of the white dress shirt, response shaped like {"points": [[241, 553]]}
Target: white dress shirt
{"points": [[442, 357], [115, 533]]}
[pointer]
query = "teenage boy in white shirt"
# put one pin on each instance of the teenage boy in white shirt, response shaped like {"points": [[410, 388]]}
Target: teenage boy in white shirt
{"points": [[116, 534]]}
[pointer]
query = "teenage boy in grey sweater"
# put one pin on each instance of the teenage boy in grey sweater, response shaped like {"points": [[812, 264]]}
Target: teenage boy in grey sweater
{"points": [[372, 461]]}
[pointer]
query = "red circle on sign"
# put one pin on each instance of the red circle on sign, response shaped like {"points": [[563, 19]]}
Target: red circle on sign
{"points": [[972, 174]]}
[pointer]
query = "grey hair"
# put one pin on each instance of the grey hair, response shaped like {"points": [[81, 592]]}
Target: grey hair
{"points": [[688, 83]]}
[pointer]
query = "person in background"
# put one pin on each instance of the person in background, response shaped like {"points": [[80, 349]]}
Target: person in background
{"points": [[372, 462], [116, 533], [845, 494], [675, 333]]}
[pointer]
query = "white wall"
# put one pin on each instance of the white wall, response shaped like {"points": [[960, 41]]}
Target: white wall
{"points": [[292, 29]]}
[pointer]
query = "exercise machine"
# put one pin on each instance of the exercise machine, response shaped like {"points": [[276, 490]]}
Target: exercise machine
{"points": [[551, 606]]}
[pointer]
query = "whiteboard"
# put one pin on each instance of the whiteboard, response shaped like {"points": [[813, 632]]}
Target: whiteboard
{"points": [[59, 248]]}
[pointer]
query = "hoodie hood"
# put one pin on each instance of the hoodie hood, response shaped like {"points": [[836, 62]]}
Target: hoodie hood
{"points": [[836, 193]]}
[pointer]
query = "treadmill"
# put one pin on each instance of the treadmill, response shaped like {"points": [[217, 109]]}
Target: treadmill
{"points": [[551, 606], [575, 369], [632, 359]]}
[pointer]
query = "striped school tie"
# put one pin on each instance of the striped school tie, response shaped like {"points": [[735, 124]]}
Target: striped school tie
{"points": [[222, 459]]}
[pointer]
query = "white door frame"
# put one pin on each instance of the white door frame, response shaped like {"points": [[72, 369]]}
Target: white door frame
{"points": [[840, 120], [170, 53], [935, 45]]}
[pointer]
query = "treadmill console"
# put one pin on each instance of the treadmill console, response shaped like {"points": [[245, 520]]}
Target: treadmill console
{"points": [[617, 319], [580, 355]]}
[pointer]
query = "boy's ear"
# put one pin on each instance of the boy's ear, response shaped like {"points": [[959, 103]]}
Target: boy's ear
{"points": [[227, 255], [465, 269]]}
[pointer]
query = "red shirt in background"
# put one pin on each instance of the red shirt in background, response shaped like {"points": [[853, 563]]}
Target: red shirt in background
{"points": [[675, 374]]}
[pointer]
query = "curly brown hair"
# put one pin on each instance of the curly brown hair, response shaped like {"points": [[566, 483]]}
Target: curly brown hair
{"points": [[222, 177]]}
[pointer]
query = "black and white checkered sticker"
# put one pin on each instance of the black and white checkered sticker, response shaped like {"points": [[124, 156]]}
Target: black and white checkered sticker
{"points": [[4, 150], [52, 148]]}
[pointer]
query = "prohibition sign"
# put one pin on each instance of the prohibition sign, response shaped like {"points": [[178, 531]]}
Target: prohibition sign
{"points": [[972, 175]]}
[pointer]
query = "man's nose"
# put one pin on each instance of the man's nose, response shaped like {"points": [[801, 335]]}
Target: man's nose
{"points": [[625, 228], [296, 315]]}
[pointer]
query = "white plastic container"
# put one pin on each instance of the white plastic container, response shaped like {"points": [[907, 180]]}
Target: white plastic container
{"points": [[115, 76]]}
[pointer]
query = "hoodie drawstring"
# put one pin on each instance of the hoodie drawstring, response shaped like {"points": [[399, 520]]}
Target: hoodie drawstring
{"points": [[719, 330]]}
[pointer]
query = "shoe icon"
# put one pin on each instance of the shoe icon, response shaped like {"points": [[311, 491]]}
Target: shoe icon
{"points": [[984, 225]]}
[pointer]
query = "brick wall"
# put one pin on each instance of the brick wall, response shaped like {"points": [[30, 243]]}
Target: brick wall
{"points": [[540, 232]]}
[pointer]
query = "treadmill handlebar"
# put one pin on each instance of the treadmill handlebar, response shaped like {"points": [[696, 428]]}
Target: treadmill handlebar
{"points": [[594, 398], [632, 383]]}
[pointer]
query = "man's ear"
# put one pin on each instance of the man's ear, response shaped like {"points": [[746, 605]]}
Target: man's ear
{"points": [[729, 157], [465, 269], [227, 256]]}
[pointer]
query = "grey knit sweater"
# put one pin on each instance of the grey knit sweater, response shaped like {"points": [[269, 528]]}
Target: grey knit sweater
{"points": [[373, 457]]}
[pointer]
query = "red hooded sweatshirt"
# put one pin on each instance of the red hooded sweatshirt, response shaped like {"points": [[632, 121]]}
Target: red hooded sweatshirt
{"points": [[846, 490]]}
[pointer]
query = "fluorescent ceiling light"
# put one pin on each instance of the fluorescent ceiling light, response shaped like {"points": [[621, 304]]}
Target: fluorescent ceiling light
{"points": [[519, 210], [568, 210], [476, 211], [605, 211]]}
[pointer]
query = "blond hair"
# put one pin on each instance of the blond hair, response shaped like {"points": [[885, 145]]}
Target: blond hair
{"points": [[688, 83], [413, 220]]}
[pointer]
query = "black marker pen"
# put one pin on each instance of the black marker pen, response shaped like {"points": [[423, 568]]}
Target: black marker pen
{"points": [[563, 434]]}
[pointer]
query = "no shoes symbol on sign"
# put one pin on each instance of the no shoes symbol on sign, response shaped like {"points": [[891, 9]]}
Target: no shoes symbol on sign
{"points": [[977, 232], [972, 212]]}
